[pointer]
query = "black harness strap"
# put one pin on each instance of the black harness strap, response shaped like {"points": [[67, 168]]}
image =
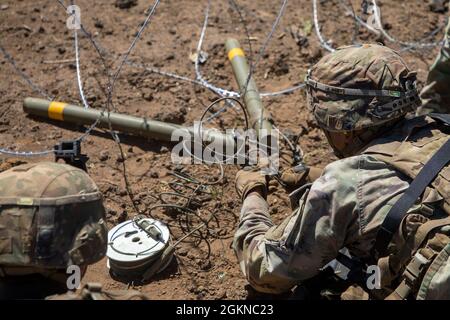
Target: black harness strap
{"points": [[443, 117], [399, 209]]}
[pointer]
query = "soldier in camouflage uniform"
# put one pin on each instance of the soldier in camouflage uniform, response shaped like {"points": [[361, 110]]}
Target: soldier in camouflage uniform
{"points": [[360, 97], [51, 217], [436, 94]]}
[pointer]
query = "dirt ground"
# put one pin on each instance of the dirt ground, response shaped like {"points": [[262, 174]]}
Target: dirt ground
{"points": [[34, 33]]}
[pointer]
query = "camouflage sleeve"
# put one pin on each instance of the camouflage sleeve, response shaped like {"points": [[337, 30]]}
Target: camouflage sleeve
{"points": [[435, 95], [276, 258]]}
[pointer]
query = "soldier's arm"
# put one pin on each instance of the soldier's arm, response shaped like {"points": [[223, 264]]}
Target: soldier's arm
{"points": [[276, 258], [436, 95]]}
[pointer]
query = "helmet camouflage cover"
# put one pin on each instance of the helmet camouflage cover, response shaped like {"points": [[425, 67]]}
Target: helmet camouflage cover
{"points": [[51, 216], [360, 86]]}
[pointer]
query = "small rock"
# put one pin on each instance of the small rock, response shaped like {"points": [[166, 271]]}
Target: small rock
{"points": [[438, 5], [162, 173], [202, 57], [299, 35], [205, 265], [147, 95], [122, 216], [182, 252], [4, 7], [201, 289], [125, 4], [154, 175], [120, 159], [98, 24], [104, 155], [164, 149], [231, 204]]}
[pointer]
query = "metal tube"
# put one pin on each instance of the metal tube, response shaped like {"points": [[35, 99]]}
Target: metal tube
{"points": [[129, 124], [259, 119]]}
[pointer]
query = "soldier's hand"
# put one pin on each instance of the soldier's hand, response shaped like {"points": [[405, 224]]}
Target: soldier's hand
{"points": [[294, 178], [250, 179]]}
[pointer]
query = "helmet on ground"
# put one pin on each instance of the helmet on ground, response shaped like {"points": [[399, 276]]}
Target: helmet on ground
{"points": [[360, 87], [51, 217]]}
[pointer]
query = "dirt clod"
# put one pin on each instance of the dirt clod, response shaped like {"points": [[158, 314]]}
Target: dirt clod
{"points": [[125, 4]]}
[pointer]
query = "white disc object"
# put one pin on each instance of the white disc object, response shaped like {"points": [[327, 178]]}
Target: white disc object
{"points": [[130, 248]]}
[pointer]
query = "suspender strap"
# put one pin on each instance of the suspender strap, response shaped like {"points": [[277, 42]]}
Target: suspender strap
{"points": [[399, 209], [443, 117]]}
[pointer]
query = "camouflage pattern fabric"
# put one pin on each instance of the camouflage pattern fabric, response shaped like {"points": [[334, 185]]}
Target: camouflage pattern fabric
{"points": [[45, 180], [362, 67], [436, 94], [408, 147], [51, 216], [343, 208]]}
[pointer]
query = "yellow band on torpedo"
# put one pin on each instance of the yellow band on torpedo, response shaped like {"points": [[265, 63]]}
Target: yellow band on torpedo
{"points": [[235, 52], [55, 110]]}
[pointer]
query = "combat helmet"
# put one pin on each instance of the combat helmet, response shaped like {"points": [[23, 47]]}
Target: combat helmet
{"points": [[51, 217], [361, 86]]}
